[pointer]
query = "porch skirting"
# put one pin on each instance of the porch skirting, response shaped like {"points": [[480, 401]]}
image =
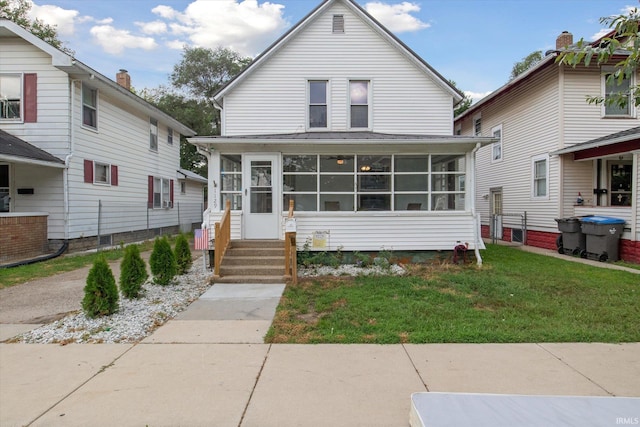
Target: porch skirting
{"points": [[23, 236]]}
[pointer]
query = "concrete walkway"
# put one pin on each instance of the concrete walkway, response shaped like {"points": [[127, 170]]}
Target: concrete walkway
{"points": [[209, 367]]}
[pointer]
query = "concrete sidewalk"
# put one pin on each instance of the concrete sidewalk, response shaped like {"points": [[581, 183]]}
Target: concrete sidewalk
{"points": [[209, 367]]}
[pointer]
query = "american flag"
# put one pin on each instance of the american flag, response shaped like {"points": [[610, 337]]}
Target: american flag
{"points": [[201, 239]]}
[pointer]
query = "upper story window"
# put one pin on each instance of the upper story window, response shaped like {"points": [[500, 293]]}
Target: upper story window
{"points": [[621, 89], [318, 104], [10, 96], [89, 107], [359, 101], [540, 170], [496, 147], [477, 125], [101, 173], [169, 136], [153, 134]]}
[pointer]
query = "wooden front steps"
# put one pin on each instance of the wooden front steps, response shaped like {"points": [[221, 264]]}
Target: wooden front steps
{"points": [[253, 261]]}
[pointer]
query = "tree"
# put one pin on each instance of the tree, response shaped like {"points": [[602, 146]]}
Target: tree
{"points": [[133, 272], [100, 292], [183, 254], [202, 72], [18, 10], [527, 62], [622, 46], [462, 105], [163, 262]]}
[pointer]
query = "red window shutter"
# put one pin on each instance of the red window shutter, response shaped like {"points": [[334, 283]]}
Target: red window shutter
{"points": [[88, 171], [114, 175], [30, 98], [150, 194], [171, 191]]}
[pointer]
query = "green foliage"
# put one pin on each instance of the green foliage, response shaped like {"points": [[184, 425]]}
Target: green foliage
{"points": [[183, 254], [100, 292], [462, 105], [18, 10], [527, 62], [362, 260], [204, 71], [133, 272], [384, 259], [624, 37], [309, 258], [162, 262]]}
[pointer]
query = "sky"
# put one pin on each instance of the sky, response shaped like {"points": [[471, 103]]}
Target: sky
{"points": [[472, 42]]}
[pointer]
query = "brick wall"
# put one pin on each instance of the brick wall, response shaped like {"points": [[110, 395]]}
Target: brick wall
{"points": [[22, 237], [630, 251]]}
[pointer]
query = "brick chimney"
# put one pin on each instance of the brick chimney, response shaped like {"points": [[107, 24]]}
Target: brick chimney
{"points": [[565, 39], [124, 79]]}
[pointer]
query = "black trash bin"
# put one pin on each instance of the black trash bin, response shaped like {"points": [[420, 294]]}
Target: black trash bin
{"points": [[572, 241], [602, 237]]}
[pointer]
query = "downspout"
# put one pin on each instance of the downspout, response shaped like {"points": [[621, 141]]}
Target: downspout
{"points": [[67, 159], [476, 219], [210, 184]]}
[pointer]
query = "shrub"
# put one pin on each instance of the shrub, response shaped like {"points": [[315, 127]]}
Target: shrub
{"points": [[101, 292], [133, 272], [183, 254], [162, 262]]}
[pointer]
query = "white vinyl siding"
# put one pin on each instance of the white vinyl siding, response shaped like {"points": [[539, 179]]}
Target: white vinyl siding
{"points": [[405, 99]]}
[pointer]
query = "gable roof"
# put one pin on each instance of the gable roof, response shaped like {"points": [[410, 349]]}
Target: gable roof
{"points": [[364, 15], [15, 149], [80, 71]]}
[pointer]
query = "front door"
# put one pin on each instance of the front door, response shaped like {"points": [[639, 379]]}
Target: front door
{"points": [[261, 204], [495, 227]]}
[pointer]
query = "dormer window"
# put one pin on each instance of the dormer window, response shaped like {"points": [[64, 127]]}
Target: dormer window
{"points": [[338, 24]]}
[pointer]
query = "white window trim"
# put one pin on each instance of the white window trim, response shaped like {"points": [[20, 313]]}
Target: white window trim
{"points": [[308, 104], [369, 104], [603, 109], [164, 203], [95, 164], [82, 124], [493, 132], [535, 159], [473, 124], [21, 118], [151, 120]]}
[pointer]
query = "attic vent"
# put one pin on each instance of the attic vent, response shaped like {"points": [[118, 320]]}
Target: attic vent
{"points": [[338, 24]]}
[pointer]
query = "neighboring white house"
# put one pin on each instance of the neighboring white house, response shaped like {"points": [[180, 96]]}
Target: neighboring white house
{"points": [[341, 117], [554, 147], [114, 159]]}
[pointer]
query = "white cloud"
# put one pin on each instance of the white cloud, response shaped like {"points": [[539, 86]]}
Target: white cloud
{"points": [[175, 44], [154, 27], [397, 17], [242, 25], [114, 41], [476, 96], [62, 19], [603, 32]]}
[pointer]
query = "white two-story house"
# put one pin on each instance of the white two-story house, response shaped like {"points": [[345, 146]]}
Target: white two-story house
{"points": [[342, 118], [557, 156], [83, 160]]}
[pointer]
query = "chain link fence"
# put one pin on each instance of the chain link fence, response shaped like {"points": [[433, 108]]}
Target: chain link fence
{"points": [[130, 222], [511, 227]]}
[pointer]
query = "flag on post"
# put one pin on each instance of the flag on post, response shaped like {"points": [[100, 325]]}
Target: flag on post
{"points": [[201, 239]]}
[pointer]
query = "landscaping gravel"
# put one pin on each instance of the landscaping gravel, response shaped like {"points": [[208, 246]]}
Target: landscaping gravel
{"points": [[134, 320]]}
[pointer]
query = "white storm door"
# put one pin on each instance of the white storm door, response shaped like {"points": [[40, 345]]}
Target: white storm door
{"points": [[261, 204]]}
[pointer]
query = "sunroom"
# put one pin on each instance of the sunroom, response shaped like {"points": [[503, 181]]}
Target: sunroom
{"points": [[360, 191]]}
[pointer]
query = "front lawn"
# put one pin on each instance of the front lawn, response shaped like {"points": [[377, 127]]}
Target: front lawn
{"points": [[515, 297]]}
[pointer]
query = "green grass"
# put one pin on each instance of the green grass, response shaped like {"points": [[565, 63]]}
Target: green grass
{"points": [[515, 297], [16, 275]]}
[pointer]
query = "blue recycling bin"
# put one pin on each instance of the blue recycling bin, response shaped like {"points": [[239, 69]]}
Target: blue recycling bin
{"points": [[602, 237]]}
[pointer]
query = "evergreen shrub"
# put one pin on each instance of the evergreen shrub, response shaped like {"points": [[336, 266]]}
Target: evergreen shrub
{"points": [[101, 291], [183, 254], [163, 262], [133, 272]]}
